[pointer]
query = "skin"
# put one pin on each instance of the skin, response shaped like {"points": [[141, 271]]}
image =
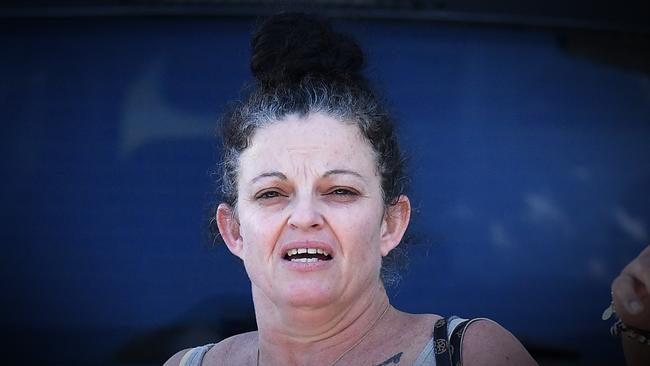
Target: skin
{"points": [[315, 179], [630, 292]]}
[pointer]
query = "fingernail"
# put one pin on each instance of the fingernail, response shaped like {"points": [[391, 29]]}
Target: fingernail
{"points": [[634, 307]]}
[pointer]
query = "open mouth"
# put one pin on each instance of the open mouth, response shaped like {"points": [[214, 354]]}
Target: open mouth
{"points": [[307, 255]]}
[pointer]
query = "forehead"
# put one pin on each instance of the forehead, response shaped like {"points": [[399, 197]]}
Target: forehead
{"points": [[317, 139]]}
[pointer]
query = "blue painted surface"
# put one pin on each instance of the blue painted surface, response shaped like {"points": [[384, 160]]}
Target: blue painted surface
{"points": [[530, 170]]}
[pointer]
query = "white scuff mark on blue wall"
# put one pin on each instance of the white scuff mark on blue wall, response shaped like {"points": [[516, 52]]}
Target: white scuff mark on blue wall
{"points": [[633, 227], [542, 209], [500, 236], [462, 212], [147, 118]]}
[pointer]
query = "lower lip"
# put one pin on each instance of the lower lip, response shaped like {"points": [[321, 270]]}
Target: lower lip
{"points": [[307, 267]]}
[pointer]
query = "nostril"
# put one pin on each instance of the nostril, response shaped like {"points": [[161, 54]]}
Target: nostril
{"points": [[311, 221], [305, 214]]}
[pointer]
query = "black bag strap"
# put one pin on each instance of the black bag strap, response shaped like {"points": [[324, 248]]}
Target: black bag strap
{"points": [[456, 343], [448, 350], [440, 343]]}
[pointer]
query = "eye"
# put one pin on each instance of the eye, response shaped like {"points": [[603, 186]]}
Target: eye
{"points": [[342, 192], [342, 195], [268, 195]]}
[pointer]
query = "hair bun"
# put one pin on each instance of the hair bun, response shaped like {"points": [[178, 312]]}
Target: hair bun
{"points": [[288, 47]]}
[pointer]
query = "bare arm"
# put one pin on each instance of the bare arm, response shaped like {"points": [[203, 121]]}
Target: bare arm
{"points": [[486, 343], [630, 291]]}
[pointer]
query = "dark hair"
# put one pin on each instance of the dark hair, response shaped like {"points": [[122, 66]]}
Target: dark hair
{"points": [[301, 66]]}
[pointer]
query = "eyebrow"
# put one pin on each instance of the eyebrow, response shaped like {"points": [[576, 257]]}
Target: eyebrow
{"points": [[268, 175], [327, 174], [342, 171]]}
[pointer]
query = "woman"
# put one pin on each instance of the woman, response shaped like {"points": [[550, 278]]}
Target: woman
{"points": [[315, 208]]}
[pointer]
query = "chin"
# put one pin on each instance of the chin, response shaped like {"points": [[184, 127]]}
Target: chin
{"points": [[308, 295]]}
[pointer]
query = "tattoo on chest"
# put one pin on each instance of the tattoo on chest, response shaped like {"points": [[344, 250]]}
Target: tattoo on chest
{"points": [[393, 360]]}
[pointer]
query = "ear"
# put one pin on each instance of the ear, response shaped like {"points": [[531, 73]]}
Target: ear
{"points": [[229, 229], [394, 224]]}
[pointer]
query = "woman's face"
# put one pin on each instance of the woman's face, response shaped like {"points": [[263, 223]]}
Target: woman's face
{"points": [[311, 225]]}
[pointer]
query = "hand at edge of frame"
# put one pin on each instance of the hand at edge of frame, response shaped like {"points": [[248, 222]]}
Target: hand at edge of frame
{"points": [[631, 292]]}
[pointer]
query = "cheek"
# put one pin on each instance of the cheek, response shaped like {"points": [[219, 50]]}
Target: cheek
{"points": [[259, 232], [359, 234]]}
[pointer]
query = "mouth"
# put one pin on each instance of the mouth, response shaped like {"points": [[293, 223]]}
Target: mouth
{"points": [[307, 255]]}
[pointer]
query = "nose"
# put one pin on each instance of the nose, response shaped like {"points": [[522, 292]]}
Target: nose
{"points": [[305, 215]]}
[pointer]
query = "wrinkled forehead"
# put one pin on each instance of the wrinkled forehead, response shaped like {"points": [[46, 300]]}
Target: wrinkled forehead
{"points": [[317, 141]]}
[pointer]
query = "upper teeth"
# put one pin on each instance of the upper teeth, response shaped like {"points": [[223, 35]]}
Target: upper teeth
{"points": [[291, 252]]}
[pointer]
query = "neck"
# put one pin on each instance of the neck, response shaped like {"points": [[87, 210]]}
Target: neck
{"points": [[298, 336]]}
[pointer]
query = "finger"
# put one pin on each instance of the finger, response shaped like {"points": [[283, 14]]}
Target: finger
{"points": [[624, 294], [639, 269]]}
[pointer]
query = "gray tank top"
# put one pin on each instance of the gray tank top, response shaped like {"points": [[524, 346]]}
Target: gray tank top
{"points": [[427, 357]]}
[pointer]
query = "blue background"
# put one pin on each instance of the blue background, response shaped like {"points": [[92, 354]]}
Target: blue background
{"points": [[530, 173]]}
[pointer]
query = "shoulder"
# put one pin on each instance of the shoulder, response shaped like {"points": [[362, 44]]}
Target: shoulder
{"points": [[228, 351], [487, 343], [233, 350]]}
